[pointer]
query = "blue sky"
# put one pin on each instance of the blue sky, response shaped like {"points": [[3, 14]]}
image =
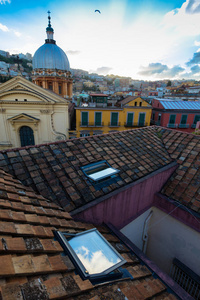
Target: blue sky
{"points": [[144, 39]]}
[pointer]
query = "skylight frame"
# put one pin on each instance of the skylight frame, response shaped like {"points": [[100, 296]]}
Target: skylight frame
{"points": [[63, 238], [100, 175]]}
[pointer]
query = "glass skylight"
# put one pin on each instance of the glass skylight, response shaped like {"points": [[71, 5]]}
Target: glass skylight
{"points": [[91, 253], [99, 170], [95, 254]]}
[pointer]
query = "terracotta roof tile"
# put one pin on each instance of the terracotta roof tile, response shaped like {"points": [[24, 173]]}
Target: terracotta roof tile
{"points": [[32, 264], [53, 170]]}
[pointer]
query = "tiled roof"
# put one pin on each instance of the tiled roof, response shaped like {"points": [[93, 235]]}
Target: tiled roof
{"points": [[54, 170], [127, 100], [184, 184], [32, 264]]}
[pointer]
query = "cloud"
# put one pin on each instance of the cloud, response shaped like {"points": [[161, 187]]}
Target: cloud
{"points": [[159, 70], [153, 68], [194, 60], [193, 7], [4, 1], [94, 262], [195, 69], [102, 70], [3, 27], [73, 52]]}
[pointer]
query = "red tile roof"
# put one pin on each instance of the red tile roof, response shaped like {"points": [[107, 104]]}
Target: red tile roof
{"points": [[54, 170], [32, 264]]}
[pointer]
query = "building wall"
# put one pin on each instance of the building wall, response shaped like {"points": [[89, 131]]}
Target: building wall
{"points": [[121, 208], [106, 117], [169, 239], [51, 120]]}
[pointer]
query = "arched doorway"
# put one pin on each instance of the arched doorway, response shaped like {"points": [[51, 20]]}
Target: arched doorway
{"points": [[26, 136]]}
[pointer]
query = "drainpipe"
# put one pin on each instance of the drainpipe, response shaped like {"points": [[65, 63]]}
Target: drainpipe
{"points": [[145, 230], [64, 137]]}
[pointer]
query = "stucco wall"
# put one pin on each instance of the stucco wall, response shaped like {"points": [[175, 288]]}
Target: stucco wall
{"points": [[127, 204], [170, 238]]}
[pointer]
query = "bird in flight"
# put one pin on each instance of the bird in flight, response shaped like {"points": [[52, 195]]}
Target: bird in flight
{"points": [[97, 10]]}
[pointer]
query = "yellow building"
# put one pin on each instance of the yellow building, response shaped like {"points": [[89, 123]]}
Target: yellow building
{"points": [[97, 117]]}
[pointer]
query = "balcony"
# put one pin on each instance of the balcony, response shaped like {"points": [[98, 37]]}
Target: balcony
{"points": [[193, 125], [92, 124], [135, 124], [112, 124], [172, 125], [183, 125]]}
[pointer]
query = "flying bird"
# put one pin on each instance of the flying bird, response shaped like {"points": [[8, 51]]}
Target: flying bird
{"points": [[97, 10]]}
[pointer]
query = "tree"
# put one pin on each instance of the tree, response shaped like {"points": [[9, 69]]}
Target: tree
{"points": [[169, 83]]}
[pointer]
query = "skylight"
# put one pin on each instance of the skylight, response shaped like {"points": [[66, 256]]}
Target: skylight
{"points": [[91, 253], [98, 171]]}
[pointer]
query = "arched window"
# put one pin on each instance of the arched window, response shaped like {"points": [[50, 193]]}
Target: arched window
{"points": [[26, 136]]}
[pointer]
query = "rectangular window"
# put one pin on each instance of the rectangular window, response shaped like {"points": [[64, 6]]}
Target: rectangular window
{"points": [[84, 118], [98, 171], [159, 117], [50, 86], [184, 119], [130, 118], [172, 119], [153, 116], [98, 118], [140, 103], [135, 103], [196, 119], [60, 89], [141, 119], [114, 118], [93, 256]]}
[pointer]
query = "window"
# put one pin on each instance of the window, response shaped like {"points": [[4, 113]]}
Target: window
{"points": [[196, 119], [129, 120], [114, 119], [153, 116], [25, 100], [159, 117], [141, 119], [183, 119], [60, 89], [97, 118], [50, 86], [84, 118], [16, 99], [172, 119], [186, 278], [91, 254], [135, 103], [84, 134], [98, 171], [140, 103]]}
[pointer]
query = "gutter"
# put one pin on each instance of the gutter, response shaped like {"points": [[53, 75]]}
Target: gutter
{"points": [[166, 279]]}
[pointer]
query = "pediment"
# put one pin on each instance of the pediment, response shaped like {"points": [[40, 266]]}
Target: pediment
{"points": [[24, 118], [21, 85]]}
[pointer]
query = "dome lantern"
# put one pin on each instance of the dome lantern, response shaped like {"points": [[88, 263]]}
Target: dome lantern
{"points": [[50, 32]]}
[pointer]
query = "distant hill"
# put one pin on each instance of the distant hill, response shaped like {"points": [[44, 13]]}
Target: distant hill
{"points": [[14, 60]]}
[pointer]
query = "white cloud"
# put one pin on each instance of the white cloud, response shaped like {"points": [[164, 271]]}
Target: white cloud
{"points": [[4, 1], [3, 27], [97, 262]]}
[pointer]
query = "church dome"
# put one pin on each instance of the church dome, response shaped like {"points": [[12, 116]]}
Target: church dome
{"points": [[49, 55]]}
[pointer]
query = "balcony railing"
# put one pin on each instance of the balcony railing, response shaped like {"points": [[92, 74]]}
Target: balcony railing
{"points": [[193, 125], [172, 125], [183, 125], [92, 124], [135, 124], [114, 124]]}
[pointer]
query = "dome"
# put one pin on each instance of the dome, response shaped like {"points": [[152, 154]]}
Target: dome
{"points": [[50, 56]]}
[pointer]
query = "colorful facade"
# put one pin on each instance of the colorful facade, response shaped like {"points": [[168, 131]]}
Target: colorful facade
{"points": [[98, 117], [180, 115]]}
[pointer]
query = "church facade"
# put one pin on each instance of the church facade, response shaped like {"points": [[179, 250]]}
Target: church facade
{"points": [[31, 115], [37, 112]]}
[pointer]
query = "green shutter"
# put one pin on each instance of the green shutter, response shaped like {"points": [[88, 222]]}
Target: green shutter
{"points": [[196, 119], [172, 119], [98, 118], [114, 119], [129, 119], [183, 119], [141, 119], [84, 118]]}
